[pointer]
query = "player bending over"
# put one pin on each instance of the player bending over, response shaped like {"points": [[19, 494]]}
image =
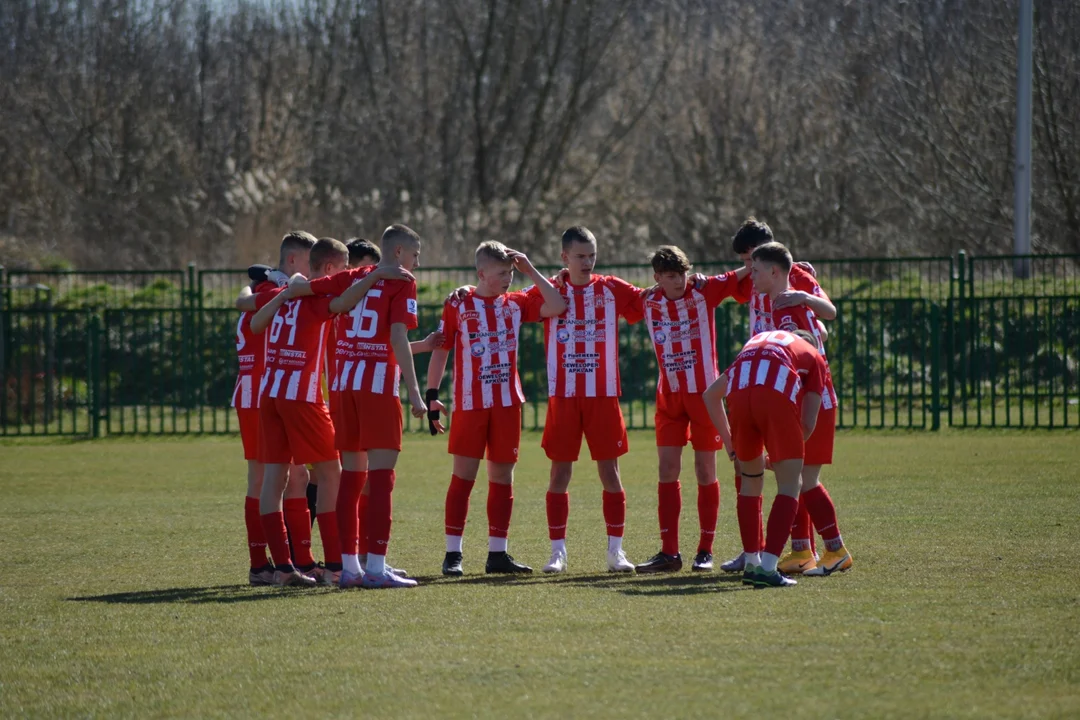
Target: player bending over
{"points": [[773, 390]]}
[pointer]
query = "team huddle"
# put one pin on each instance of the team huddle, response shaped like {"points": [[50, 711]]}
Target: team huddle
{"points": [[336, 317]]}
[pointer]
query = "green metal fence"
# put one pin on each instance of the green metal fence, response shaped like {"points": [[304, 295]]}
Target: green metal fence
{"points": [[917, 343]]}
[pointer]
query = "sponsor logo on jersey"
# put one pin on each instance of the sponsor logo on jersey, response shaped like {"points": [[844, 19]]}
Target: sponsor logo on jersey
{"points": [[410, 305]]}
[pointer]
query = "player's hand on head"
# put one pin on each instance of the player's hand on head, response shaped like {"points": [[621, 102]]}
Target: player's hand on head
{"points": [[789, 298], [807, 267]]}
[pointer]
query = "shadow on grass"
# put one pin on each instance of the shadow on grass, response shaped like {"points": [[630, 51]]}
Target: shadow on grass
{"points": [[637, 585], [198, 595]]}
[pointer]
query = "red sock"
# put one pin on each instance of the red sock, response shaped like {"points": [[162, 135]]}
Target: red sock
{"points": [[298, 520], [362, 524], [348, 504], [274, 531], [380, 510], [457, 504], [615, 512], [255, 536], [558, 512], [781, 516], [331, 539], [669, 507], [708, 508], [748, 510], [800, 529], [500, 506], [823, 511]]}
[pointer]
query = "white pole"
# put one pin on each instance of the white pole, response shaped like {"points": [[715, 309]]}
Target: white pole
{"points": [[1022, 183]]}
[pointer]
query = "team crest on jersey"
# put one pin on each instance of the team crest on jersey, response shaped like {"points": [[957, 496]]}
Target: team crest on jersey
{"points": [[759, 327], [661, 336], [789, 326], [410, 305], [477, 349], [562, 335]]}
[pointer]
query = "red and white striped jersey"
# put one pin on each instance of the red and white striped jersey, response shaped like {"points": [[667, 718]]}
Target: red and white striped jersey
{"points": [[780, 361], [761, 309], [582, 344], [803, 318], [683, 332], [483, 331], [296, 348], [251, 354], [363, 358]]}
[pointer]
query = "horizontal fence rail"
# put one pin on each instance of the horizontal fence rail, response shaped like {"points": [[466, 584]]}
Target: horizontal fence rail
{"points": [[917, 343]]}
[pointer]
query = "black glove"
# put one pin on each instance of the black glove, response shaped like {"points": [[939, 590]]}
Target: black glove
{"points": [[258, 273], [432, 415]]}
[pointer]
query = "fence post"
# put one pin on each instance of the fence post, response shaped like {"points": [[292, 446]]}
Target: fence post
{"points": [[190, 341], [93, 370], [4, 305], [960, 328], [935, 365]]}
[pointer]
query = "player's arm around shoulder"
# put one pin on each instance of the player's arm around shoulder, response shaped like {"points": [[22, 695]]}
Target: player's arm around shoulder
{"points": [[628, 302], [262, 319]]}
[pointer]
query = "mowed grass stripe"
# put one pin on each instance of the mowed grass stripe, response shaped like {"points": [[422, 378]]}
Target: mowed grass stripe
{"points": [[123, 593]]}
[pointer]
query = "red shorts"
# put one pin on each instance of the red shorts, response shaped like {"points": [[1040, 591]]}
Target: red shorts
{"points": [[763, 419], [682, 417], [295, 431], [249, 431], [497, 429], [819, 446], [599, 419], [367, 421]]}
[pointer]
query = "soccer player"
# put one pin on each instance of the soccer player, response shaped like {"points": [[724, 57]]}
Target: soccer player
{"points": [[773, 390], [251, 354], [483, 326], [770, 271], [362, 253], [373, 356], [681, 323], [295, 423], [582, 348], [804, 292]]}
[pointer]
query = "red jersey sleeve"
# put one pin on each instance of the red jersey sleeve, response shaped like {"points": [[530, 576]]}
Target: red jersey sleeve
{"points": [[719, 287], [403, 305], [262, 298], [530, 303], [744, 290], [802, 280], [448, 325], [333, 285], [627, 299]]}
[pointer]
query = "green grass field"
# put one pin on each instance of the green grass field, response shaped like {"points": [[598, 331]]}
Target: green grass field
{"points": [[123, 593]]}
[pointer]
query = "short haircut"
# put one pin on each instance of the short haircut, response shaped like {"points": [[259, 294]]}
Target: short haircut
{"points": [[327, 250], [774, 253], [295, 241], [359, 248], [396, 235], [752, 234], [492, 250], [808, 337], [669, 258], [578, 233]]}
